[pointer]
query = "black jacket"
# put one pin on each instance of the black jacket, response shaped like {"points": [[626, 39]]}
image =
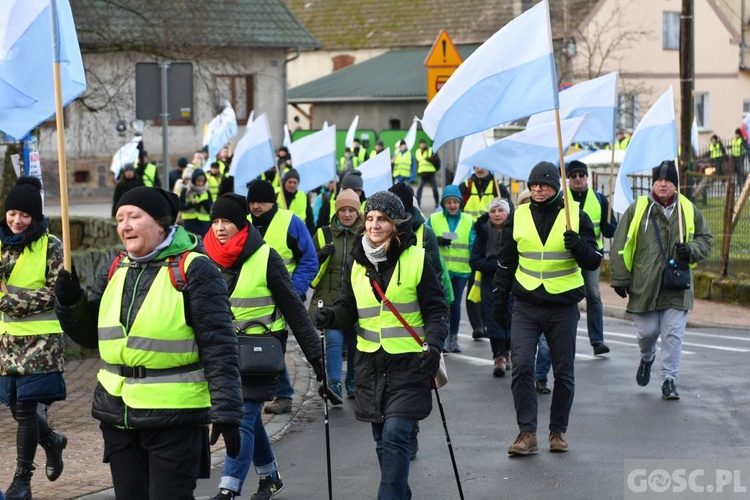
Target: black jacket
{"points": [[479, 261], [207, 312], [289, 306], [544, 215], [391, 385]]}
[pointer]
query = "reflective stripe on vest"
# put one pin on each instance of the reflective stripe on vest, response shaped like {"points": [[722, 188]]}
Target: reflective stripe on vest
{"points": [[424, 166], [631, 241], [593, 209], [251, 299], [378, 326], [199, 213], [550, 264], [158, 339], [402, 164], [28, 275], [457, 254], [276, 235], [298, 205], [476, 205]]}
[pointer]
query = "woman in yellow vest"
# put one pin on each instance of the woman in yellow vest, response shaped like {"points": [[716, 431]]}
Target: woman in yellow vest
{"points": [[195, 204], [393, 374], [161, 318], [31, 340], [263, 300]]}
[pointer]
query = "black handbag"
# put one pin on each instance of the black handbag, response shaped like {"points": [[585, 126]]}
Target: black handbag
{"points": [[261, 355], [676, 275]]}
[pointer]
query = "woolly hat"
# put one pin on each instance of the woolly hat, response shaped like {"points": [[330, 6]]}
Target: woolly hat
{"points": [[232, 207], [128, 166], [524, 196], [154, 201], [261, 192], [26, 196], [405, 193], [352, 180], [499, 202], [290, 174], [576, 166], [451, 191], [545, 172], [666, 170], [197, 173], [182, 162], [388, 203], [347, 198]]}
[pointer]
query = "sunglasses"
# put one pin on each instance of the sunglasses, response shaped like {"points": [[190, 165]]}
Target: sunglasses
{"points": [[577, 176]]}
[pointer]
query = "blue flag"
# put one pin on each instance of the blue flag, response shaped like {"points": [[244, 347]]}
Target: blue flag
{"points": [[253, 155]]}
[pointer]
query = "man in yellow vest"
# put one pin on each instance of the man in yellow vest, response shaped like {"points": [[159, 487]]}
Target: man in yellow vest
{"points": [[717, 154], [291, 198], [348, 162], [540, 262], [403, 163], [646, 240], [427, 166], [596, 206], [378, 148], [739, 151], [358, 151], [148, 172]]}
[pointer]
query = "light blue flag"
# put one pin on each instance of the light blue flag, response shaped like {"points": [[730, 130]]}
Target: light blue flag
{"points": [[253, 155], [376, 173], [314, 158], [287, 138], [221, 130], [694, 136], [29, 45], [350, 134], [514, 156], [470, 145], [654, 140], [510, 76], [597, 99]]}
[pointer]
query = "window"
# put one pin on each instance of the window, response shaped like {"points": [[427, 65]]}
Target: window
{"points": [[627, 112], [745, 107], [238, 90], [671, 31], [702, 110]]}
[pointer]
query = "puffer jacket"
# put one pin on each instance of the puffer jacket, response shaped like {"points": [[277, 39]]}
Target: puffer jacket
{"points": [[289, 305], [207, 312], [391, 385], [644, 279]]}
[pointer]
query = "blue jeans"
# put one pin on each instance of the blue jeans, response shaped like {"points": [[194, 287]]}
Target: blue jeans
{"points": [[284, 387], [335, 340], [458, 285], [401, 178], [255, 448], [543, 360], [392, 444], [594, 309]]}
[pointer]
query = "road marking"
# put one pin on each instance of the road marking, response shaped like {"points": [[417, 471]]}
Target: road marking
{"points": [[628, 344]]}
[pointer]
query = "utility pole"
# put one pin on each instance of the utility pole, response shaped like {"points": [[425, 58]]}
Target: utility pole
{"points": [[687, 89]]}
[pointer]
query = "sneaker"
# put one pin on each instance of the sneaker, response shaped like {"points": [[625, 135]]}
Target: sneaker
{"points": [[644, 372], [668, 390], [350, 389], [225, 494], [279, 406], [541, 387], [524, 444], [508, 364], [414, 442], [557, 442], [499, 369], [268, 487], [335, 387], [454, 344], [600, 348]]}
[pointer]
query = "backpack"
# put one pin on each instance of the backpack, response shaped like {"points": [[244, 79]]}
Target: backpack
{"points": [[176, 264]]}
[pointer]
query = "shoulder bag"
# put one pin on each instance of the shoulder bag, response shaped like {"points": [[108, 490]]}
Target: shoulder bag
{"points": [[676, 275]]}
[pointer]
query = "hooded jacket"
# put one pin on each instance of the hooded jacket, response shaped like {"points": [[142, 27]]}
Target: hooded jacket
{"points": [[452, 191]]}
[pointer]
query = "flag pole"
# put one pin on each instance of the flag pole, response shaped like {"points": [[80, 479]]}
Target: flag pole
{"points": [[563, 176], [677, 199], [281, 187], [611, 182], [62, 167]]}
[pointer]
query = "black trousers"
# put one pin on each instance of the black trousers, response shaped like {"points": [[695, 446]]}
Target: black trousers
{"points": [[156, 463], [559, 324]]}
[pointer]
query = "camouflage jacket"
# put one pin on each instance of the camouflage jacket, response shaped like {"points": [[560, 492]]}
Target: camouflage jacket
{"points": [[31, 354]]}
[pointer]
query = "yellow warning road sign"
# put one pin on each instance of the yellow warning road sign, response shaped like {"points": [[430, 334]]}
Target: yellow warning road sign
{"points": [[441, 62]]}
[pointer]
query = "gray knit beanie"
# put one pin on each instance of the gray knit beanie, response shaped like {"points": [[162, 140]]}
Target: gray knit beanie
{"points": [[388, 203]]}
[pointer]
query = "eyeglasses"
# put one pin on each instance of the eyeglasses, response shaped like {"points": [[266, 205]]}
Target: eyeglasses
{"points": [[578, 176], [540, 187]]}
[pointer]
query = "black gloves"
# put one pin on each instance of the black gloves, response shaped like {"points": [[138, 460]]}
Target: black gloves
{"points": [[325, 252], [683, 252], [622, 291], [573, 242], [443, 242], [430, 361], [502, 314], [67, 288], [231, 435], [318, 368], [323, 318]]}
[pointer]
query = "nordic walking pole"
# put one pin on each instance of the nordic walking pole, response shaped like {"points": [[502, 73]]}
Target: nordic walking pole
{"points": [[448, 440], [324, 393]]}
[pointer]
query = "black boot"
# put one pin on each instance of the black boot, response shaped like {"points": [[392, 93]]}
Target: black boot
{"points": [[53, 447], [20, 488]]}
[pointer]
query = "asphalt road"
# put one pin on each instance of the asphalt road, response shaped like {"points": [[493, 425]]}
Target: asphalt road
{"points": [[613, 421]]}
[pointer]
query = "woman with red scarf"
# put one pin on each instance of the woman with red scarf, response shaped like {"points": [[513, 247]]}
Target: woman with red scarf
{"points": [[261, 302]]}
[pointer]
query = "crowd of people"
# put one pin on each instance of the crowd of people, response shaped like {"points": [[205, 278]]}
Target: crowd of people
{"points": [[225, 270]]}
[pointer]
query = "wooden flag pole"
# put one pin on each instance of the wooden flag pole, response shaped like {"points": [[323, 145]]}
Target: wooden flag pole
{"points": [[281, 187], [62, 167], [611, 182], [563, 176], [677, 200]]}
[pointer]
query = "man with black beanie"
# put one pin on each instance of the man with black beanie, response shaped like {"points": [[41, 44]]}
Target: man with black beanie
{"points": [[540, 262]]}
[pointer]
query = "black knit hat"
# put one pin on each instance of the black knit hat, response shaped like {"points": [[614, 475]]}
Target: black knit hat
{"points": [[261, 192], [388, 203], [352, 180], [154, 201], [666, 170], [405, 193], [576, 166], [232, 207], [198, 172], [182, 162], [545, 172], [26, 196]]}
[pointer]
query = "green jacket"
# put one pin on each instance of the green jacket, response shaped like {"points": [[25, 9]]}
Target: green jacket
{"points": [[646, 293]]}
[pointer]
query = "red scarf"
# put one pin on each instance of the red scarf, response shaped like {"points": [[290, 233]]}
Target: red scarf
{"points": [[225, 254]]}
